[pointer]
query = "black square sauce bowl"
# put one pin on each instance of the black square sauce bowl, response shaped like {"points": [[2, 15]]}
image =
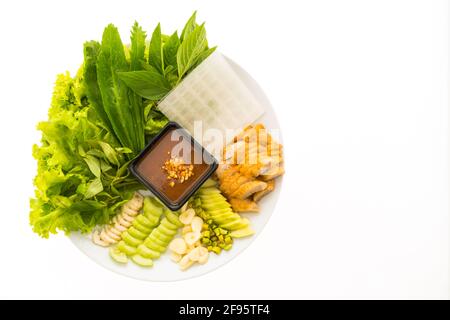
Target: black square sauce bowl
{"points": [[173, 166]]}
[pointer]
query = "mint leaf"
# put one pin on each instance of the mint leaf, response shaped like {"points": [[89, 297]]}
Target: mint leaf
{"points": [[190, 50], [149, 84], [170, 50], [189, 26], [155, 57]]}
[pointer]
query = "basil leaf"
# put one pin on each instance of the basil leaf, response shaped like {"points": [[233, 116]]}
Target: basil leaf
{"points": [[205, 54], [155, 57], [148, 84], [93, 164], [94, 187], [110, 153], [190, 49], [189, 26], [170, 50]]}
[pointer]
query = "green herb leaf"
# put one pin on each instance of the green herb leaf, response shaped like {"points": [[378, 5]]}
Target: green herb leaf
{"points": [[91, 51], [111, 60], [148, 84], [110, 153], [137, 53], [93, 164], [170, 50], [189, 27], [155, 56], [205, 54], [190, 49], [94, 187]]}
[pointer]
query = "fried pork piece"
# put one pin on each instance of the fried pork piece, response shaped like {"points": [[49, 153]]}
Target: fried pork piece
{"points": [[250, 163], [269, 188], [244, 205], [272, 174], [248, 188]]}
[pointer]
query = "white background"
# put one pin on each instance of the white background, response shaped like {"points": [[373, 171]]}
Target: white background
{"points": [[361, 92]]}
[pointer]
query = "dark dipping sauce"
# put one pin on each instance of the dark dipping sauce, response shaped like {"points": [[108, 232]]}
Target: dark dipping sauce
{"points": [[173, 142]]}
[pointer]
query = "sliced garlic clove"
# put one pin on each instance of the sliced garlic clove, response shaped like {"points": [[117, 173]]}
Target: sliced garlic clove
{"points": [[197, 224], [203, 258], [184, 207], [186, 229], [187, 216], [191, 238], [185, 263], [194, 255], [175, 257], [178, 245]]}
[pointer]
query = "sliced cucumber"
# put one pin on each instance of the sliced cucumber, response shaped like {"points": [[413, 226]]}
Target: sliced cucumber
{"points": [[173, 218], [144, 221], [141, 261], [125, 248], [159, 235], [146, 252], [151, 208], [167, 231], [209, 190], [154, 220], [209, 183], [141, 227], [117, 255], [130, 240], [137, 234], [154, 239], [154, 246], [169, 225]]}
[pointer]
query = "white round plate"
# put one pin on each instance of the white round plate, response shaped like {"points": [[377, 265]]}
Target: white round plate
{"points": [[166, 270]]}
